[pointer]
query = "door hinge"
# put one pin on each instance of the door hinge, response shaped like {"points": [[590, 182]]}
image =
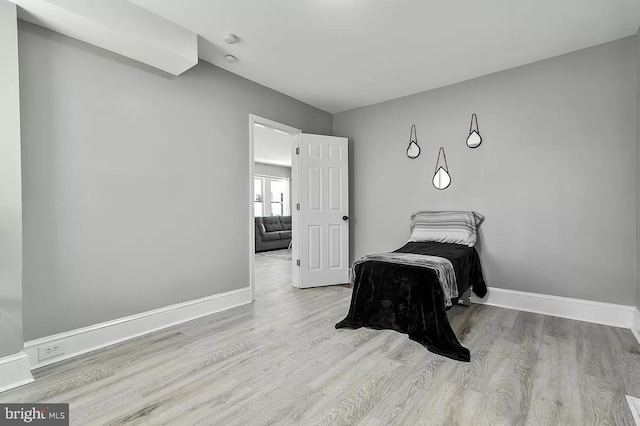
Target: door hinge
{"points": [[298, 206], [298, 262], [298, 151]]}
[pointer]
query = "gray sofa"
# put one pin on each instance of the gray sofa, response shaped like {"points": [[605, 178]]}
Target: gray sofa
{"points": [[273, 232]]}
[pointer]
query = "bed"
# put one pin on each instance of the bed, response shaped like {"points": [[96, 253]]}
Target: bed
{"points": [[399, 291]]}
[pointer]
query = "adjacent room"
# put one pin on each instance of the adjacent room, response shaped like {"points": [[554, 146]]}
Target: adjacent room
{"points": [[272, 154], [316, 212]]}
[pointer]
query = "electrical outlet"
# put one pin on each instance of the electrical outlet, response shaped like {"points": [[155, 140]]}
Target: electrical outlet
{"points": [[50, 351]]}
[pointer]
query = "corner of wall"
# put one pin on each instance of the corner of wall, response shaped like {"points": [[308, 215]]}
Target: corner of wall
{"points": [[11, 333], [333, 125], [637, 52]]}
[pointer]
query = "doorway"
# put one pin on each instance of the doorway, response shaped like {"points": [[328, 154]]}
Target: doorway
{"points": [[273, 190]]}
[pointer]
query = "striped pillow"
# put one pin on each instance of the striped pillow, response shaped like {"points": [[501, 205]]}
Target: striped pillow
{"points": [[454, 227]]}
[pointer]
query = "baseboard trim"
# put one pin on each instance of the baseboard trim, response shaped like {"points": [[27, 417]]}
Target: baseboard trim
{"points": [[635, 328], [87, 339], [15, 370], [564, 307]]}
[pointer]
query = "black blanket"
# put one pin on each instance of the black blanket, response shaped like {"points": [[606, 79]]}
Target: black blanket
{"points": [[409, 299]]}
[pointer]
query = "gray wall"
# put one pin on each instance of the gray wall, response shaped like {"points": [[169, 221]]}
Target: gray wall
{"points": [[10, 186], [136, 185], [555, 176], [271, 170]]}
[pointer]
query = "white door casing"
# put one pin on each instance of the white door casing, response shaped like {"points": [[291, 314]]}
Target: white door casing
{"points": [[323, 222]]}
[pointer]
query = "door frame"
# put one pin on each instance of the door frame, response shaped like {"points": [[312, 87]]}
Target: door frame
{"points": [[295, 133]]}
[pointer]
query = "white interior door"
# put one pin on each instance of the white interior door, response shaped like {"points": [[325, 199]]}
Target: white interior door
{"points": [[323, 217]]}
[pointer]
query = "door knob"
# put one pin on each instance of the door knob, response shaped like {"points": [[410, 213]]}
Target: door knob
{"points": [[345, 217]]}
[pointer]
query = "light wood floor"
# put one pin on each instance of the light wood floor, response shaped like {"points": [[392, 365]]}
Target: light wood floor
{"points": [[280, 361]]}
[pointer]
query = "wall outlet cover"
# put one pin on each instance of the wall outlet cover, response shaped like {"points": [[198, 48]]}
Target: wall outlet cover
{"points": [[51, 350]]}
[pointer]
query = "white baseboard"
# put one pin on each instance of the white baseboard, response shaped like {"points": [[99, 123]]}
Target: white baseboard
{"points": [[87, 339], [634, 406], [635, 328], [15, 370], [564, 307]]}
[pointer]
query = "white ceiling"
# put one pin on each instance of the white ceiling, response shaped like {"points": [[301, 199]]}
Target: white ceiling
{"points": [[342, 54], [271, 146]]}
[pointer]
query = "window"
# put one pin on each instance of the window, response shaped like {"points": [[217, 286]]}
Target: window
{"points": [[258, 199], [271, 196], [279, 196]]}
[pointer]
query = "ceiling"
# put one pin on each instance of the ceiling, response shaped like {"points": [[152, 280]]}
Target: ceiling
{"points": [[271, 146], [342, 54]]}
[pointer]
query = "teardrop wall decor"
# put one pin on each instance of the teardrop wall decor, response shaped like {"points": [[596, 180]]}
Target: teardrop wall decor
{"points": [[413, 150], [441, 177], [474, 139]]}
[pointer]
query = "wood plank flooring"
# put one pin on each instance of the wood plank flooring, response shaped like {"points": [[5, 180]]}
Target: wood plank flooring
{"points": [[280, 361]]}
